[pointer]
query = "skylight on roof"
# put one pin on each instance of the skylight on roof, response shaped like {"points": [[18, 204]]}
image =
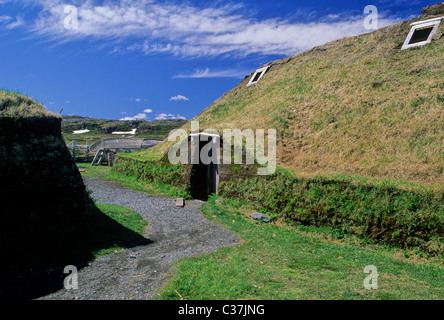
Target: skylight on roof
{"points": [[421, 33], [257, 75]]}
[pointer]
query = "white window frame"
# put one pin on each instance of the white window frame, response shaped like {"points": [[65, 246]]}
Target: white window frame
{"points": [[421, 24], [263, 70]]}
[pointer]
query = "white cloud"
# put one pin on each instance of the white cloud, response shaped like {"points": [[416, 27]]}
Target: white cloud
{"points": [[170, 116], [179, 97], [18, 22], [183, 29], [161, 115], [4, 18], [137, 99], [139, 116], [207, 73]]}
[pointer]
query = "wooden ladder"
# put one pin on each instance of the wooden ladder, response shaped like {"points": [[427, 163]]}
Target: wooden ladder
{"points": [[98, 157], [101, 153]]}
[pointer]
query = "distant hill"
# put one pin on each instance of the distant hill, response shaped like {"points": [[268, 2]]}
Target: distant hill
{"points": [[156, 130], [359, 105]]}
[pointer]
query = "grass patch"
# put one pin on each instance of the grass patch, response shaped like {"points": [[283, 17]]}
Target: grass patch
{"points": [[97, 171], [277, 262], [125, 217], [130, 181]]}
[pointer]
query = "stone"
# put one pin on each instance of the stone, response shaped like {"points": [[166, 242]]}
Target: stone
{"points": [[180, 202], [260, 216]]}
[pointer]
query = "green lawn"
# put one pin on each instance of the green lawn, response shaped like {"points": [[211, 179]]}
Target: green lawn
{"points": [[276, 262], [126, 218]]}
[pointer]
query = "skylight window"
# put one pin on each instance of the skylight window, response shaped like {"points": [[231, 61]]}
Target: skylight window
{"points": [[421, 33], [257, 75]]}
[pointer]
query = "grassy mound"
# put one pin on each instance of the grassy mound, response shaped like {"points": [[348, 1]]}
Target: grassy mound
{"points": [[13, 104], [360, 137], [48, 218], [359, 105]]}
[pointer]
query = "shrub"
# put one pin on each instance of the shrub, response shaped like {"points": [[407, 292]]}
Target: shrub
{"points": [[381, 213], [151, 171]]}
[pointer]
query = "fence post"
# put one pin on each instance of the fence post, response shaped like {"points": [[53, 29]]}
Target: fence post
{"points": [[74, 150], [87, 148]]}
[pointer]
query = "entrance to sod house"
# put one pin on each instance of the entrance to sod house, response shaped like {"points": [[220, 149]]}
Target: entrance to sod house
{"points": [[204, 178]]}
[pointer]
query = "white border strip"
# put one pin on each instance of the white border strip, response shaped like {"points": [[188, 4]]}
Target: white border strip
{"points": [[425, 21], [204, 134]]}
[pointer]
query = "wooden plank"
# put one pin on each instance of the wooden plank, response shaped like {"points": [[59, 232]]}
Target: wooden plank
{"points": [[101, 157], [96, 156]]}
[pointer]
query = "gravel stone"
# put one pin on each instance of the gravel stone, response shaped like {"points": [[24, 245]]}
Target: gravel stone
{"points": [[137, 273]]}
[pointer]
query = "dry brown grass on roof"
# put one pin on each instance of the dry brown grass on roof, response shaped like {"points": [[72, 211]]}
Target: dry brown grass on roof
{"points": [[358, 105], [14, 104]]}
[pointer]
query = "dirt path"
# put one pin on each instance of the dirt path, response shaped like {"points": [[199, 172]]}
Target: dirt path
{"points": [[137, 273]]}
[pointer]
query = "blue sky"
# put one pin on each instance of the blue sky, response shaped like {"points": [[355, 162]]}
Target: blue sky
{"points": [[151, 59]]}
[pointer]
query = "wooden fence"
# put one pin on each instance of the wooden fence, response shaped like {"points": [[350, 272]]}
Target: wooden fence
{"points": [[105, 149], [80, 152]]}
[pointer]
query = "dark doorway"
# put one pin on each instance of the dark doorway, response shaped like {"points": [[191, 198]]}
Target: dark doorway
{"points": [[204, 177]]}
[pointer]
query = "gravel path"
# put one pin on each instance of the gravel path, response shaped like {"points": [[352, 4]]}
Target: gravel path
{"points": [[137, 273]]}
